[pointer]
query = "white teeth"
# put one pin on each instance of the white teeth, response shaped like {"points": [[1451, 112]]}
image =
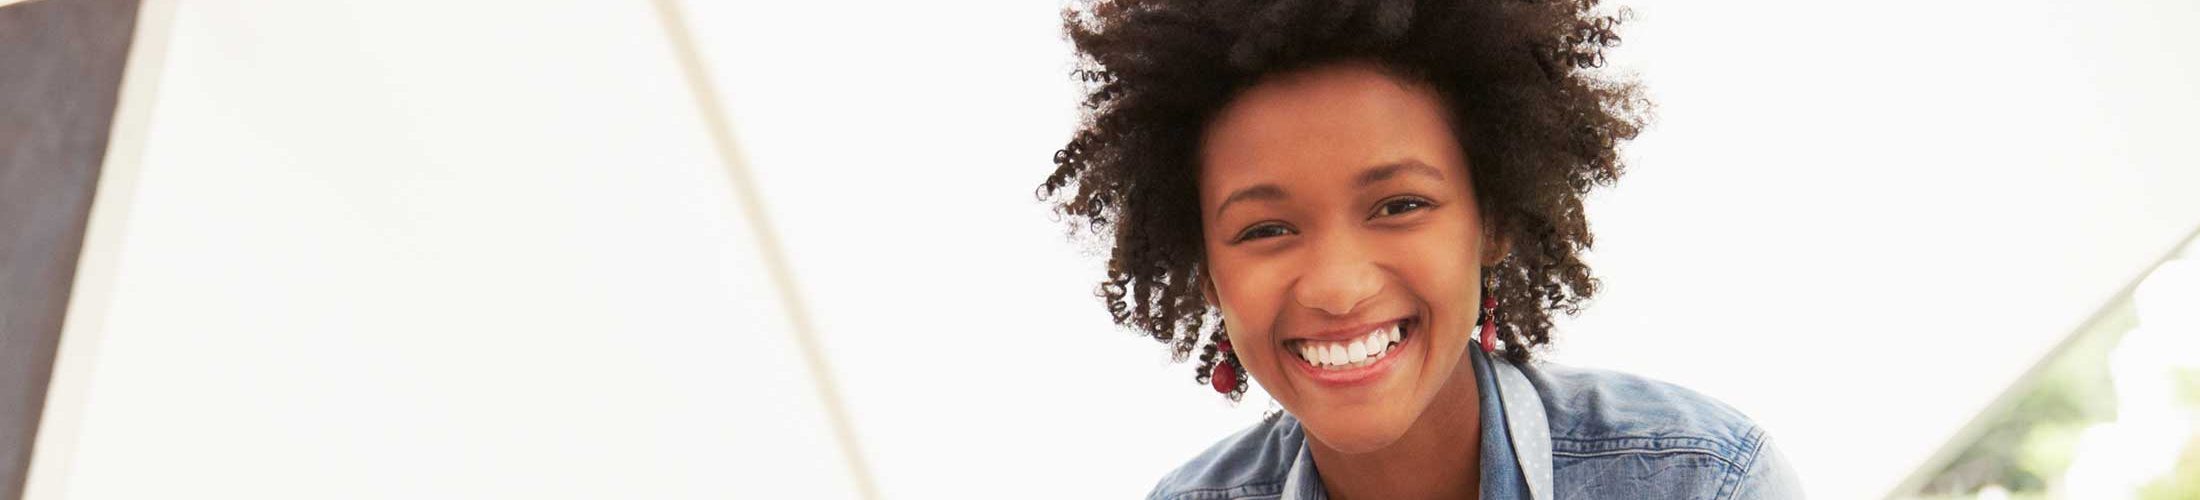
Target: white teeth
{"points": [[1353, 353]]}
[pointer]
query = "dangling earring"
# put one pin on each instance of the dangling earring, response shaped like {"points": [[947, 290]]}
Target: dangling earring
{"points": [[1225, 371], [1489, 316]]}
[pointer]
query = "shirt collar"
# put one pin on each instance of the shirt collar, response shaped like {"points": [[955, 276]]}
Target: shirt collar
{"points": [[1500, 465]]}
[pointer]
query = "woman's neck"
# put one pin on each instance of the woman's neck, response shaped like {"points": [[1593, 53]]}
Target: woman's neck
{"points": [[1438, 457]]}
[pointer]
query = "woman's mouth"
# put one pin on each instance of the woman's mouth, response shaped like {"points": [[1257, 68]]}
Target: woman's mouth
{"points": [[1352, 359], [1350, 353]]}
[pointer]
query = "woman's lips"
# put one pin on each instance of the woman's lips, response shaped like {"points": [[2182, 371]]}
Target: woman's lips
{"points": [[1338, 367]]}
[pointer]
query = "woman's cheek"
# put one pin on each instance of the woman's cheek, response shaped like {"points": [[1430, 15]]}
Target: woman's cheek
{"points": [[1252, 296]]}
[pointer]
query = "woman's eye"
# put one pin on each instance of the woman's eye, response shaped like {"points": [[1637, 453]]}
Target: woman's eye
{"points": [[1400, 206], [1263, 231]]}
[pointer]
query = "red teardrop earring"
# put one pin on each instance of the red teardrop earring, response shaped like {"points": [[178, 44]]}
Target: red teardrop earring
{"points": [[1225, 376], [1219, 366], [1489, 320]]}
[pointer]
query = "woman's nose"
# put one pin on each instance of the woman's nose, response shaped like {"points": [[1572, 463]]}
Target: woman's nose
{"points": [[1339, 277]]}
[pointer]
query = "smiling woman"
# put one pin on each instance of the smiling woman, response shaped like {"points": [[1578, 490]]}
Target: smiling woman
{"points": [[1372, 209]]}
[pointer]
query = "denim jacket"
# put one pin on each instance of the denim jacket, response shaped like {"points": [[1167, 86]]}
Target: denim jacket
{"points": [[1548, 432]]}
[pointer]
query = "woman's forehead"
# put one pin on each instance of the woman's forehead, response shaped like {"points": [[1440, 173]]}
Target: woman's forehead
{"points": [[1327, 126]]}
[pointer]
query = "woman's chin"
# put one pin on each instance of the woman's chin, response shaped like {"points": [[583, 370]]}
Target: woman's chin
{"points": [[1354, 434]]}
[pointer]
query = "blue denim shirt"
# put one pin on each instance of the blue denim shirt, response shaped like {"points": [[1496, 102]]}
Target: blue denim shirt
{"points": [[1547, 432]]}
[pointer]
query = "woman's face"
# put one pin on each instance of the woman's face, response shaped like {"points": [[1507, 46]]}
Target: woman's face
{"points": [[1344, 248]]}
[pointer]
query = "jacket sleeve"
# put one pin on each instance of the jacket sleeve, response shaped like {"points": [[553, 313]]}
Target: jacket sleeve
{"points": [[1768, 476]]}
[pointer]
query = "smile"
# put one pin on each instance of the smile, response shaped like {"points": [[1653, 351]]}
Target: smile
{"points": [[1357, 352]]}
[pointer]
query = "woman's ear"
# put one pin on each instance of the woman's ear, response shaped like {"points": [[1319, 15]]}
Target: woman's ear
{"points": [[1495, 246], [1207, 290]]}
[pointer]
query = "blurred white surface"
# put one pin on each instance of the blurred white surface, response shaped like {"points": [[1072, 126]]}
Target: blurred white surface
{"points": [[449, 250], [481, 249], [1860, 221]]}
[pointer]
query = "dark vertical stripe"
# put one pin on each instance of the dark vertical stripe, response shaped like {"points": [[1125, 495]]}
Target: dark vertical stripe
{"points": [[60, 71]]}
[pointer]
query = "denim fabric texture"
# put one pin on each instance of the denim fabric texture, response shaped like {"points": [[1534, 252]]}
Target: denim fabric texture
{"points": [[1609, 435]]}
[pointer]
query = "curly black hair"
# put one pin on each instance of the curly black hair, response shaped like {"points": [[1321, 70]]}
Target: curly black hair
{"points": [[1540, 124]]}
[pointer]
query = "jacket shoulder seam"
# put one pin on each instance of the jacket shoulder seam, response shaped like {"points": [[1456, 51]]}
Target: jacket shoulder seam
{"points": [[1734, 454], [1257, 489], [1714, 454]]}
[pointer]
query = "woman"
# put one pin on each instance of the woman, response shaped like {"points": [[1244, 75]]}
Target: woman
{"points": [[1372, 208]]}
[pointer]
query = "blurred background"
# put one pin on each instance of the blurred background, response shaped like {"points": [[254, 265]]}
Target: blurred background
{"points": [[684, 248]]}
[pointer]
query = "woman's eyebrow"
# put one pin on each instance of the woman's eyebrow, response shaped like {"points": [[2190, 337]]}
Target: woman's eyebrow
{"points": [[1386, 171], [1261, 192]]}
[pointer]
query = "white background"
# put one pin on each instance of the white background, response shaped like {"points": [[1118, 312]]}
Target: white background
{"points": [[484, 249]]}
